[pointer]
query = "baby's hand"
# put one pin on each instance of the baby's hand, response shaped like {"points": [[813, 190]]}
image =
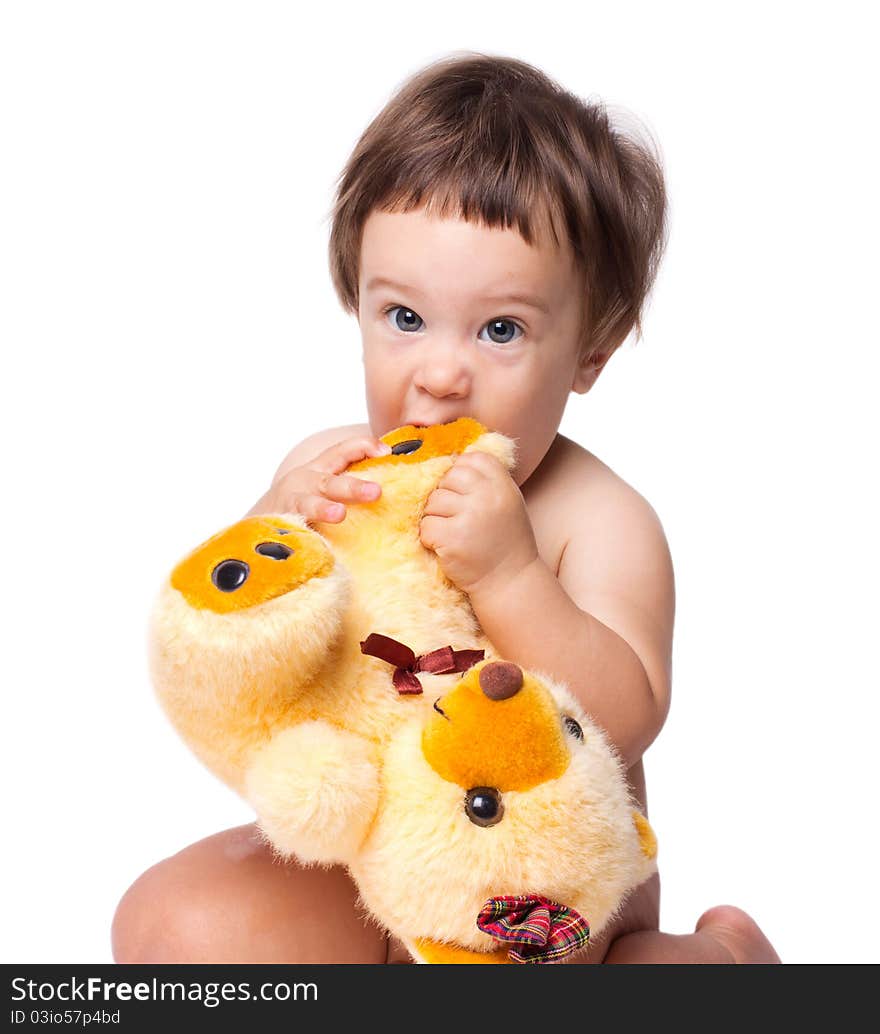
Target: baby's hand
{"points": [[318, 490], [477, 524]]}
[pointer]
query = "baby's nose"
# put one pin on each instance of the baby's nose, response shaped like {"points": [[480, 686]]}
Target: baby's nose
{"points": [[501, 680], [445, 372]]}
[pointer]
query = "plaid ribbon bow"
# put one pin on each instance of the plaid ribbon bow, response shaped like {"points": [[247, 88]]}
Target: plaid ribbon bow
{"points": [[407, 664], [543, 930]]}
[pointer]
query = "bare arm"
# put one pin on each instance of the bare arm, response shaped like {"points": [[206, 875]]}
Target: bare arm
{"points": [[604, 626]]}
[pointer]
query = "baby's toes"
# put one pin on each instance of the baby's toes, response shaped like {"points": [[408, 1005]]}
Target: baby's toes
{"points": [[738, 933]]}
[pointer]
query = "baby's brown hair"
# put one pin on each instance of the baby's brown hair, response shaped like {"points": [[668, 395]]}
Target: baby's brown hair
{"points": [[495, 140]]}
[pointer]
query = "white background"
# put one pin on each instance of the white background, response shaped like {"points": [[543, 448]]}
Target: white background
{"points": [[169, 331]]}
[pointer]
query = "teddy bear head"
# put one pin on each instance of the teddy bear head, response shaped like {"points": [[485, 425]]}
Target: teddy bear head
{"points": [[508, 792], [248, 613]]}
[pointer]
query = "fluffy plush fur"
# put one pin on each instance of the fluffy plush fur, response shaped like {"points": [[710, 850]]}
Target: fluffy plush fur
{"points": [[233, 670], [568, 831], [267, 683]]}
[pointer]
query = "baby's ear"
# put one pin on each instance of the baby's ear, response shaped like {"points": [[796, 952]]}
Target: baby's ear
{"points": [[590, 365]]}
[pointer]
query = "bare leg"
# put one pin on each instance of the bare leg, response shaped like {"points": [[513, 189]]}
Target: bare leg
{"points": [[723, 934], [227, 899], [640, 912]]}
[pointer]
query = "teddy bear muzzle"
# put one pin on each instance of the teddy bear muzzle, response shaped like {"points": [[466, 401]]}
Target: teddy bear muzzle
{"points": [[497, 727], [252, 562]]}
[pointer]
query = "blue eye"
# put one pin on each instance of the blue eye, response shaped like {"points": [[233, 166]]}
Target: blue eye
{"points": [[405, 320], [502, 332]]}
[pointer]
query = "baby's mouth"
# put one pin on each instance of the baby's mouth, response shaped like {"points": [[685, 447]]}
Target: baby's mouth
{"points": [[430, 423]]}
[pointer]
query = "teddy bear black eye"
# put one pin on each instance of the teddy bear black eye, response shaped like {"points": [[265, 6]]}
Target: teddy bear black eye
{"points": [[483, 805], [402, 448], [572, 726], [230, 575], [276, 550]]}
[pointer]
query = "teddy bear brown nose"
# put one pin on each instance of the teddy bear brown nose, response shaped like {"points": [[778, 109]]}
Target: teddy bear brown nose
{"points": [[500, 680]]}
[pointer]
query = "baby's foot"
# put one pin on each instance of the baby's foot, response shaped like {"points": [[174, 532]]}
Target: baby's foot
{"points": [[738, 934]]}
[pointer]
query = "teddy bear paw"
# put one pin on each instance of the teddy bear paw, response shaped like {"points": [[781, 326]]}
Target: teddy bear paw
{"points": [[315, 789]]}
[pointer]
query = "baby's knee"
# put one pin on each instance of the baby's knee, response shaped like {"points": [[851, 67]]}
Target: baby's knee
{"points": [[227, 899], [163, 917]]}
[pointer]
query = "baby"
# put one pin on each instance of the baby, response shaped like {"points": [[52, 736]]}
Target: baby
{"points": [[496, 238]]}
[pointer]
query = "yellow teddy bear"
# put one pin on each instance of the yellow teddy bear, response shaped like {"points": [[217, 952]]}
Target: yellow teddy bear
{"points": [[256, 643], [293, 664], [505, 831]]}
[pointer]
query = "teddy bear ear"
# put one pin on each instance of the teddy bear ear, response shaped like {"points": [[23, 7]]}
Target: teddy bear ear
{"points": [[647, 837], [497, 445]]}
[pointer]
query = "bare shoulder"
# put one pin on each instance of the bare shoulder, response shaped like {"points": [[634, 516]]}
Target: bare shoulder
{"points": [[315, 444], [615, 562], [587, 496]]}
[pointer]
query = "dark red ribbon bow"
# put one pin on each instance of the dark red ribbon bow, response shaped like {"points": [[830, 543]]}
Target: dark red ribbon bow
{"points": [[407, 664], [543, 930]]}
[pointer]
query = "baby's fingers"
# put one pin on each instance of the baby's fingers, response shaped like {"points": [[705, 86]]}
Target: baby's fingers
{"points": [[316, 509], [443, 503], [338, 457], [344, 489], [331, 491]]}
